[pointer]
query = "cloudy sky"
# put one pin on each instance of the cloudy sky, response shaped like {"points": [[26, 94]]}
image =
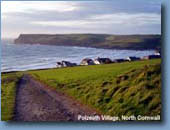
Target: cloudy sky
{"points": [[56, 17]]}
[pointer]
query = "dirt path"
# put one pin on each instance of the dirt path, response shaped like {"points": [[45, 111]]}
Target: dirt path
{"points": [[37, 102]]}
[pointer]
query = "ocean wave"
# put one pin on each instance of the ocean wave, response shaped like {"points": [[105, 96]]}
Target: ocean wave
{"points": [[28, 57]]}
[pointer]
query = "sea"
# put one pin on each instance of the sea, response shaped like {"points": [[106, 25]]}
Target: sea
{"points": [[21, 57]]}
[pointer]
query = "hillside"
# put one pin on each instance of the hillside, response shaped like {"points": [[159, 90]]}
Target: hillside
{"points": [[133, 42], [115, 89], [129, 88]]}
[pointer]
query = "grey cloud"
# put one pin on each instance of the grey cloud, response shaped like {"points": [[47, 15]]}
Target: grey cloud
{"points": [[22, 22], [89, 9]]}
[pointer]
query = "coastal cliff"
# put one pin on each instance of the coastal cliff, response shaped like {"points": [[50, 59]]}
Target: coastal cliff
{"points": [[106, 41]]}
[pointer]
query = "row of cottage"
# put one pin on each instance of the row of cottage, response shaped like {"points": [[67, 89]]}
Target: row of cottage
{"points": [[88, 61]]}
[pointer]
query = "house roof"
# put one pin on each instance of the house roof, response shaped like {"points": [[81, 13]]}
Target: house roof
{"points": [[103, 59], [87, 59]]}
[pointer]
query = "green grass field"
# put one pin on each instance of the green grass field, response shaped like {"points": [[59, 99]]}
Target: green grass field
{"points": [[8, 93], [129, 88], [115, 89]]}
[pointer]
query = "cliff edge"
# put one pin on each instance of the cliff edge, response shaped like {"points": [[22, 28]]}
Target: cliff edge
{"points": [[106, 41]]}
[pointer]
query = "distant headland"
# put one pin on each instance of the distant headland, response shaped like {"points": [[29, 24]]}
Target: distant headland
{"points": [[105, 41]]}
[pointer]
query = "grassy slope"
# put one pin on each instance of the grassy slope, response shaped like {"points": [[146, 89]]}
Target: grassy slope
{"points": [[115, 89], [8, 93]]}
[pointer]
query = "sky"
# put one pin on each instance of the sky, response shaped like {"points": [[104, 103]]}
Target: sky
{"points": [[66, 17]]}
